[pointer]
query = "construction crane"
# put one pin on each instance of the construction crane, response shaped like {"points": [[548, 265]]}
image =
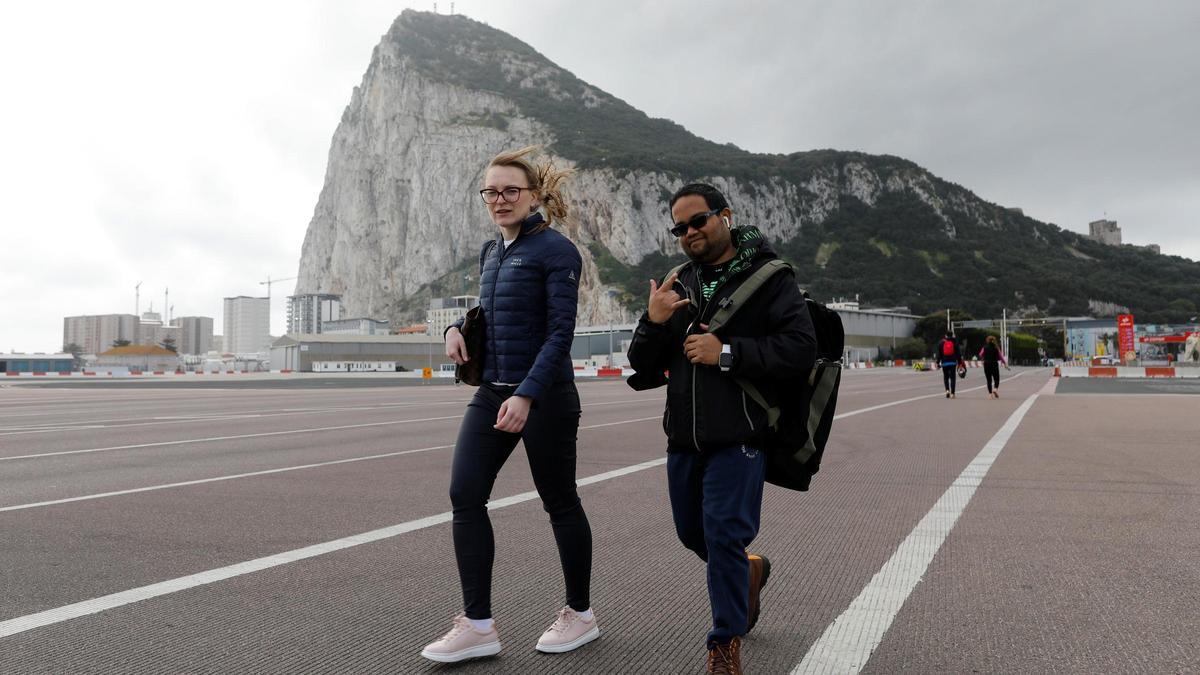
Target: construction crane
{"points": [[268, 283]]}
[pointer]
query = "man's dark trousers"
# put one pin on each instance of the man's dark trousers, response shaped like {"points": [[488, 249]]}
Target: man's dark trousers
{"points": [[716, 499]]}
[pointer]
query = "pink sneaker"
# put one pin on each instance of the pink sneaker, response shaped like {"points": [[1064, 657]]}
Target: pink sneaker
{"points": [[569, 631], [463, 642]]}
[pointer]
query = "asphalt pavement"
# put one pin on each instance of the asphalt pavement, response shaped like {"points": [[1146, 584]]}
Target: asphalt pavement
{"points": [[267, 528]]}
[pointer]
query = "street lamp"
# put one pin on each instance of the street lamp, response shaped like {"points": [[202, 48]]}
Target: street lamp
{"points": [[429, 342], [611, 293]]}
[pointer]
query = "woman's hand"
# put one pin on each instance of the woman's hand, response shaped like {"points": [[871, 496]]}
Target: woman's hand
{"points": [[513, 413], [456, 347]]}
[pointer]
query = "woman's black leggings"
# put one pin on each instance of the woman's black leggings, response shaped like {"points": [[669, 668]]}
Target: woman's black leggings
{"points": [[549, 435], [950, 377], [991, 371]]}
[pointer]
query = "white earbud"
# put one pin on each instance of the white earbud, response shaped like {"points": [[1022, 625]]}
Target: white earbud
{"points": [[726, 221]]}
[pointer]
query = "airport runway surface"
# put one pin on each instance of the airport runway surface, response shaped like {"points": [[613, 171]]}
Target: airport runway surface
{"points": [[151, 529]]}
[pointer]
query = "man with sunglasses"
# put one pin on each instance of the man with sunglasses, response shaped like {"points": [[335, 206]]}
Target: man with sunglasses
{"points": [[715, 432]]}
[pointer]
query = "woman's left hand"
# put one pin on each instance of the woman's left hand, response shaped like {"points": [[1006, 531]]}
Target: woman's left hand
{"points": [[513, 413]]}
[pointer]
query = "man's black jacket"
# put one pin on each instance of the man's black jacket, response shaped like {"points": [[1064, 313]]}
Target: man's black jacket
{"points": [[773, 345]]}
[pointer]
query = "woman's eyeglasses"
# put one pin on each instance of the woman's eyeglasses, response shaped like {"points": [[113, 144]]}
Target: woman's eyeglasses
{"points": [[509, 194], [696, 222]]}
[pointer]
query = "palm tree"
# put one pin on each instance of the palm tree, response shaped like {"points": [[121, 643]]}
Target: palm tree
{"points": [[76, 353]]}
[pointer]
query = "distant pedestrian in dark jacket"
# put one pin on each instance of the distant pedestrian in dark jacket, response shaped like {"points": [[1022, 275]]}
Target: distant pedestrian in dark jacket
{"points": [[715, 432], [950, 357], [992, 358], [529, 292]]}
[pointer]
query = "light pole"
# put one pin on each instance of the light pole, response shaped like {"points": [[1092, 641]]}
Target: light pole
{"points": [[611, 294], [429, 342]]}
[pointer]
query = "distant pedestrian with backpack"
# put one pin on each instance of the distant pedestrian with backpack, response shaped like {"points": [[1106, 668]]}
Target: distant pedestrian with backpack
{"points": [[716, 431], [992, 358], [950, 358], [528, 294]]}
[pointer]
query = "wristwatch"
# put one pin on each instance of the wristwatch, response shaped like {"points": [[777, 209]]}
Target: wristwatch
{"points": [[725, 360]]}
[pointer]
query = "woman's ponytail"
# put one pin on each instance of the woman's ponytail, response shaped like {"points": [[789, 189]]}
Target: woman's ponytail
{"points": [[544, 179]]}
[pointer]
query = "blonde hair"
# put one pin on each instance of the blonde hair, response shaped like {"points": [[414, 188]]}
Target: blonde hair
{"points": [[544, 179]]}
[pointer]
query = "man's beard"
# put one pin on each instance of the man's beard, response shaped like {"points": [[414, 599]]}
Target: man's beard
{"points": [[709, 253]]}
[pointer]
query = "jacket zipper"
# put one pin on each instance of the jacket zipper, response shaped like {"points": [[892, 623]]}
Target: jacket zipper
{"points": [[492, 307], [695, 433], [695, 437], [746, 411]]}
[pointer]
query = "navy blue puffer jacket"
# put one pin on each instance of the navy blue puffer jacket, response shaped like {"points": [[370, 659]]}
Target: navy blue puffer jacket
{"points": [[530, 293]]}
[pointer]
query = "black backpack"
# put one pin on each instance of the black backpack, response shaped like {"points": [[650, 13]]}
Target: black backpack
{"points": [[801, 423]]}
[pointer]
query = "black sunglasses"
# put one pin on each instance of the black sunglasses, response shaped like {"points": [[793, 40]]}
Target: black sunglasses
{"points": [[696, 222]]}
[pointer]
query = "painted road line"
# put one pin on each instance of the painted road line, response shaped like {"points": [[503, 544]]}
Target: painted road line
{"points": [[848, 642], [265, 434], [385, 455], [266, 472], [205, 417], [213, 439], [915, 398], [96, 605]]}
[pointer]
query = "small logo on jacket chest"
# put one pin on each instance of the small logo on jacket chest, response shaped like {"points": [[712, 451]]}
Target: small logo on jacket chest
{"points": [[514, 262]]}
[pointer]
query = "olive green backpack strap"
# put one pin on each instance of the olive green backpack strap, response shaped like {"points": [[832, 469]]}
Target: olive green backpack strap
{"points": [[676, 270], [730, 305], [752, 391]]}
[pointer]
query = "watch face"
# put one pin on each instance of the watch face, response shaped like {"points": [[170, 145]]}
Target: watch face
{"points": [[725, 360]]}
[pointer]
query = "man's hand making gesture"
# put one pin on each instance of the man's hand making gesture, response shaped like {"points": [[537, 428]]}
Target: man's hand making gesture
{"points": [[701, 349], [664, 300]]}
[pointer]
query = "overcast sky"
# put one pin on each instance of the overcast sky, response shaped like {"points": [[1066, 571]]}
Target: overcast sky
{"points": [[184, 145]]}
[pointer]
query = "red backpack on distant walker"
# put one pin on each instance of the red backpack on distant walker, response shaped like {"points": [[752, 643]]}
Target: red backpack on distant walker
{"points": [[947, 348]]}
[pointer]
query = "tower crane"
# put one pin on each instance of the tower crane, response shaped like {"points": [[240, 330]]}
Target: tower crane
{"points": [[268, 283]]}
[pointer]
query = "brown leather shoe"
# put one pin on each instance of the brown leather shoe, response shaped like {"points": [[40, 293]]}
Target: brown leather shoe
{"points": [[760, 571], [726, 659]]}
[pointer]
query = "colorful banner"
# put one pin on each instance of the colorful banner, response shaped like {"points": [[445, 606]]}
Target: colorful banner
{"points": [[1126, 344], [1156, 339]]}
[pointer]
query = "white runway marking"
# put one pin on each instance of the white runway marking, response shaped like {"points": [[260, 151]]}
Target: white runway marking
{"points": [[920, 541], [269, 433], [96, 605], [288, 432], [915, 398], [848, 642], [204, 417], [265, 472]]}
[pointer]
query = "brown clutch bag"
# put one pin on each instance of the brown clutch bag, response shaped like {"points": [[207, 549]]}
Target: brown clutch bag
{"points": [[474, 330]]}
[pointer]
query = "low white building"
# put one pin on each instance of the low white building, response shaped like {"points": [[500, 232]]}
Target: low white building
{"points": [[144, 358], [302, 352], [363, 326]]}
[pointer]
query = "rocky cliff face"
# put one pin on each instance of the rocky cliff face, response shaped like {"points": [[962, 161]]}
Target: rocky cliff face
{"points": [[400, 207], [399, 213]]}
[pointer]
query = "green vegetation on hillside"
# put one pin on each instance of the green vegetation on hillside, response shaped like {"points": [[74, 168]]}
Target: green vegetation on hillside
{"points": [[971, 254]]}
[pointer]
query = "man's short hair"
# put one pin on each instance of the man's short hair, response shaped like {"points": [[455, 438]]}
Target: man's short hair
{"points": [[712, 196]]}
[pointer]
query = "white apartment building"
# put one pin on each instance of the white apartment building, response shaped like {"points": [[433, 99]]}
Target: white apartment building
{"points": [[153, 332], [195, 334], [445, 311], [308, 312], [247, 325], [95, 333]]}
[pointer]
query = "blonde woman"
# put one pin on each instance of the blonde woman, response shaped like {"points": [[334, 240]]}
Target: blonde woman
{"points": [[529, 291]]}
